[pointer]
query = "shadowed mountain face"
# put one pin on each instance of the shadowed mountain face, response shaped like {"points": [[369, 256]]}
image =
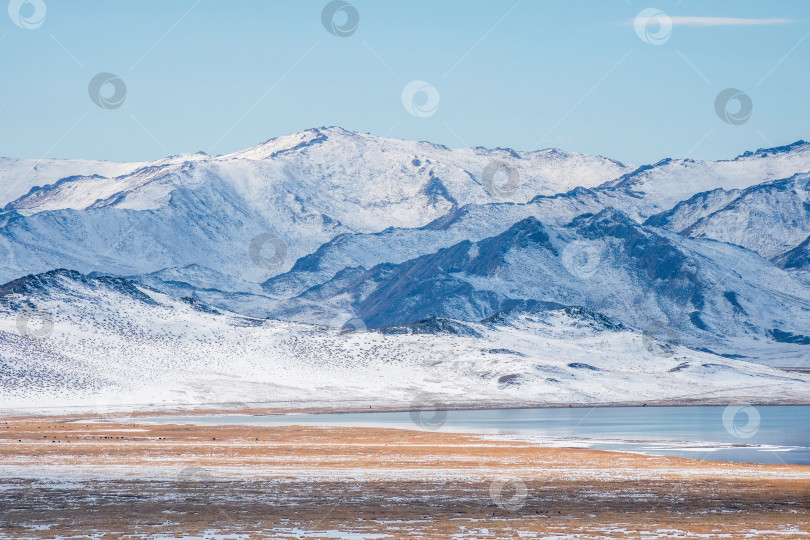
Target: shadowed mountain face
{"points": [[797, 258], [635, 275], [328, 226]]}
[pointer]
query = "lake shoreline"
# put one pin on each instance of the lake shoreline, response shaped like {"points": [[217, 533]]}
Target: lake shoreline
{"points": [[269, 409]]}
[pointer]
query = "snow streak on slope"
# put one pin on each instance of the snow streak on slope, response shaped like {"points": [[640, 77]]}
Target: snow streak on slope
{"points": [[115, 344]]}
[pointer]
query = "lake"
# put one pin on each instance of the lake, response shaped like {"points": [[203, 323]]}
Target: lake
{"points": [[762, 434]]}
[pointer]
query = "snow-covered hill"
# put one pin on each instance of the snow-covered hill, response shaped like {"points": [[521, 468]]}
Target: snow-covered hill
{"points": [[113, 345], [661, 186], [770, 218], [363, 181], [21, 175]]}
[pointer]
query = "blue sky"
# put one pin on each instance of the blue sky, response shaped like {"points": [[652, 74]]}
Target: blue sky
{"points": [[220, 76]]}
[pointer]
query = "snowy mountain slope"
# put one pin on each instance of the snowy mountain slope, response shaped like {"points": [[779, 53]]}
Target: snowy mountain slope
{"points": [[397, 245], [717, 296], [114, 345], [20, 175], [207, 224], [143, 186], [661, 186], [687, 212], [369, 177], [307, 188], [304, 189], [770, 218], [330, 156], [475, 222]]}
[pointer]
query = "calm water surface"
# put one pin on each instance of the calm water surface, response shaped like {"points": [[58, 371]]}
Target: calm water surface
{"points": [[770, 434]]}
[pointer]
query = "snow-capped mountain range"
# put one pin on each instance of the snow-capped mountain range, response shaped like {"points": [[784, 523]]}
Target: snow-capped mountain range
{"points": [[174, 268]]}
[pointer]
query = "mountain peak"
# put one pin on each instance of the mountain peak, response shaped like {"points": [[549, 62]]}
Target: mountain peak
{"points": [[525, 231], [608, 222], [528, 232], [607, 217], [32, 283], [282, 144]]}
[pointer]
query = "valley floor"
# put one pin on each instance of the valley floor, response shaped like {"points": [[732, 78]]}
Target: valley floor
{"points": [[68, 477]]}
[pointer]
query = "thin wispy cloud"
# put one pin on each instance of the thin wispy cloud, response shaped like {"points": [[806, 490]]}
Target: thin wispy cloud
{"points": [[722, 21], [726, 21]]}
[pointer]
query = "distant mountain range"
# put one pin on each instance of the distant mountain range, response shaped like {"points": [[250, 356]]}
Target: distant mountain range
{"points": [[408, 247]]}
